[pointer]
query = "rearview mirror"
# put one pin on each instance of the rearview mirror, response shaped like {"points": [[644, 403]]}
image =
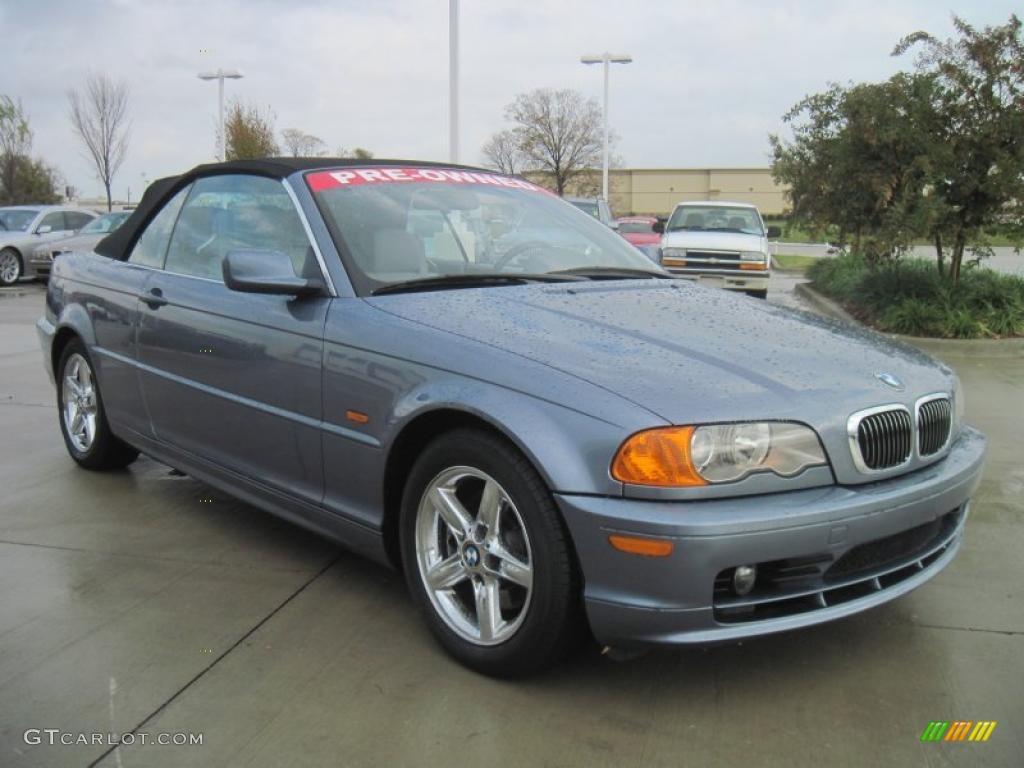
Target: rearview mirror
{"points": [[43, 229], [265, 271], [774, 232]]}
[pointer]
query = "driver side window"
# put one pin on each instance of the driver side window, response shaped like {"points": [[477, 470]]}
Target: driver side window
{"points": [[236, 212]]}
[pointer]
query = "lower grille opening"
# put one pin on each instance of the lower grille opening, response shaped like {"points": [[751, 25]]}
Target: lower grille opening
{"points": [[799, 585]]}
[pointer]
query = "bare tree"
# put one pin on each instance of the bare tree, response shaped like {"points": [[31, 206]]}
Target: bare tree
{"points": [[99, 115], [557, 131], [301, 144], [250, 132], [502, 152]]}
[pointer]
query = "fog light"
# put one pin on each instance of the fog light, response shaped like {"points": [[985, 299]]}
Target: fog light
{"points": [[743, 579]]}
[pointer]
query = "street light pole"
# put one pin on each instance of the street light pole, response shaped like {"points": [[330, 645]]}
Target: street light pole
{"points": [[220, 76], [605, 59], [453, 80]]}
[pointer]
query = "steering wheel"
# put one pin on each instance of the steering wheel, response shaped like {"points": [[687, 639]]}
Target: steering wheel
{"points": [[517, 251]]}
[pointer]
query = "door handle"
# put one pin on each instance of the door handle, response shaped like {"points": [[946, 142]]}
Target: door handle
{"points": [[154, 299]]}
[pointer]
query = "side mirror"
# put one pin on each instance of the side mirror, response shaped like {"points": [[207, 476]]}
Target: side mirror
{"points": [[614, 225], [658, 227], [43, 229], [266, 272], [774, 232]]}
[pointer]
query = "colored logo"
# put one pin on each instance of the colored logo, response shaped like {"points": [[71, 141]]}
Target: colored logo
{"points": [[958, 730]]}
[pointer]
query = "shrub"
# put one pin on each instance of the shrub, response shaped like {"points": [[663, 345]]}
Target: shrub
{"points": [[909, 296]]}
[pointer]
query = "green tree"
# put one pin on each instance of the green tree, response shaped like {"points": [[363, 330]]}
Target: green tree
{"points": [[22, 178], [858, 162], [936, 153], [977, 157], [250, 132]]}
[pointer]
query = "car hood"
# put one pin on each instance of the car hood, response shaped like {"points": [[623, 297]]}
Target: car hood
{"points": [[713, 241], [687, 354]]}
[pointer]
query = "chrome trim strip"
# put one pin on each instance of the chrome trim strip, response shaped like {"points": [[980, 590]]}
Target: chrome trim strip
{"points": [[299, 418], [853, 424], [309, 235]]}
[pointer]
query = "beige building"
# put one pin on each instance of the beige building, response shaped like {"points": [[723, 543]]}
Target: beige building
{"points": [[657, 190]]}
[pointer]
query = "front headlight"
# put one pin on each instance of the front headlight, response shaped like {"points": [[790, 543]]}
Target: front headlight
{"points": [[752, 256], [674, 253], [716, 453]]}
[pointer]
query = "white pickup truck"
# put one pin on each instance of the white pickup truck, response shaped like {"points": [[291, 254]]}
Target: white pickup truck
{"points": [[720, 244]]}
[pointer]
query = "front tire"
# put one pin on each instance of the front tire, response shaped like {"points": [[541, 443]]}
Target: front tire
{"points": [[83, 421], [761, 294], [10, 267], [487, 558]]}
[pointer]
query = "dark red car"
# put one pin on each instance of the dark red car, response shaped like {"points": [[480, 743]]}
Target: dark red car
{"points": [[640, 230]]}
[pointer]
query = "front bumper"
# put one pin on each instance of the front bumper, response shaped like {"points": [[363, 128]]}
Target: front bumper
{"points": [[896, 534], [731, 279]]}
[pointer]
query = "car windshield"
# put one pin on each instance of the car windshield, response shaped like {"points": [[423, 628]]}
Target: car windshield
{"points": [[16, 219], [397, 225], [104, 224], [715, 218], [635, 227]]}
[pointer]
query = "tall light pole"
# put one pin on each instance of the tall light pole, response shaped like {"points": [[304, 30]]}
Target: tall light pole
{"points": [[453, 80], [606, 59], [220, 76]]}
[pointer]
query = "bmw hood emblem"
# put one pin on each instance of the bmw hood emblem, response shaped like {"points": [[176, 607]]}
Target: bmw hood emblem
{"points": [[890, 380]]}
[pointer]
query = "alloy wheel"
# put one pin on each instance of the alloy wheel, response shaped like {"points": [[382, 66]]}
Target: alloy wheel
{"points": [[474, 557], [79, 403], [10, 267]]}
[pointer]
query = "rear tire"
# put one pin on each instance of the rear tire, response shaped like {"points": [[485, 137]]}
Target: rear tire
{"points": [[11, 268], [479, 525], [83, 421]]}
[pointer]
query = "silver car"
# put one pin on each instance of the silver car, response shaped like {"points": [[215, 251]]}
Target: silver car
{"points": [[41, 260], [547, 438], [24, 227]]}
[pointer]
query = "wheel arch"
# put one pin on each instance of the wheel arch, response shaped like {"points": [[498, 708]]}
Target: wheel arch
{"points": [[407, 445]]}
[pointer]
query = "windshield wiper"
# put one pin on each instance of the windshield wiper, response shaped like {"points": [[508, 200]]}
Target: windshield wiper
{"points": [[612, 273], [441, 282]]}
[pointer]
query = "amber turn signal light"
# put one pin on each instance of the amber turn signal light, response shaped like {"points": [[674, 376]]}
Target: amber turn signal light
{"points": [[635, 545], [659, 457], [758, 265]]}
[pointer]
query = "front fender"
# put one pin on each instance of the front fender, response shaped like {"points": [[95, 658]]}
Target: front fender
{"points": [[568, 448]]}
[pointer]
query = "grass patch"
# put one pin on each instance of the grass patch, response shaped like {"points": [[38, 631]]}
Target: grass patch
{"points": [[793, 261], [909, 297]]}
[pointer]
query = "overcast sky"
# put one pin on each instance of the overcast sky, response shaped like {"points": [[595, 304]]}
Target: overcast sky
{"points": [[710, 80]]}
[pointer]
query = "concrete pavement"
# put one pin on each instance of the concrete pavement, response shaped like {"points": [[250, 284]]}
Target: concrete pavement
{"points": [[144, 602]]}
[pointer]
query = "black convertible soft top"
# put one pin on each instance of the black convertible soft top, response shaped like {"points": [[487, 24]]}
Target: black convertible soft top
{"points": [[118, 244]]}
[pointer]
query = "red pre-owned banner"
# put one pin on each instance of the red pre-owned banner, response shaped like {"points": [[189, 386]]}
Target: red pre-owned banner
{"points": [[321, 180]]}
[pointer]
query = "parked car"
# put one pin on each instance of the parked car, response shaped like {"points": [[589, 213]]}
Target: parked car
{"points": [[640, 230], [596, 207], [541, 438], [41, 258], [719, 244], [23, 227]]}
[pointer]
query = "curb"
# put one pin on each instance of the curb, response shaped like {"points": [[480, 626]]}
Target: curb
{"points": [[825, 305], [1013, 347]]}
